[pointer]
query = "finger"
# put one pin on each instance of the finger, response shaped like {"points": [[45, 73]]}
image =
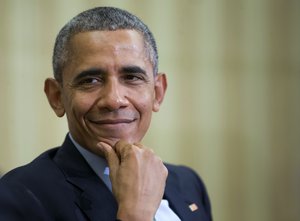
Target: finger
{"points": [[141, 146], [110, 156], [122, 149]]}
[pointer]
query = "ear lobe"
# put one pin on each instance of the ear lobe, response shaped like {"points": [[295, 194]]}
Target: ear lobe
{"points": [[160, 88], [52, 90]]}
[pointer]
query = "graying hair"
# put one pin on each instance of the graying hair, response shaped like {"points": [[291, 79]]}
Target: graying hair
{"points": [[100, 19]]}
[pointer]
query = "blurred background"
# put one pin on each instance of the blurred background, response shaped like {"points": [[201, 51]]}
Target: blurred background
{"points": [[232, 111]]}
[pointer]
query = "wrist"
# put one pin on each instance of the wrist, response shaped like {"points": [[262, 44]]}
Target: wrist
{"points": [[133, 215]]}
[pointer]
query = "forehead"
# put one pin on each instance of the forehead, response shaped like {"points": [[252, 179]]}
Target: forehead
{"points": [[108, 50], [107, 41]]}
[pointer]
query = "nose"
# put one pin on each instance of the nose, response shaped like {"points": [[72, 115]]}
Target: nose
{"points": [[113, 95]]}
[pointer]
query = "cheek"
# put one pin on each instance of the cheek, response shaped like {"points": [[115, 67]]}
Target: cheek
{"points": [[145, 103], [80, 104]]}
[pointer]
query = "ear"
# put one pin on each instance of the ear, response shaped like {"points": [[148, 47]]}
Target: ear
{"points": [[52, 90], [160, 87]]}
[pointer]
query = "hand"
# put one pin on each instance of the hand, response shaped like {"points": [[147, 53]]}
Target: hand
{"points": [[138, 179]]}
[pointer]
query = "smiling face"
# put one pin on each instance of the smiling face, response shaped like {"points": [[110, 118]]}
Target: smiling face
{"points": [[109, 90]]}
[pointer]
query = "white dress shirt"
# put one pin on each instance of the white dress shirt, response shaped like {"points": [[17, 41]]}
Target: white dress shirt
{"points": [[100, 167]]}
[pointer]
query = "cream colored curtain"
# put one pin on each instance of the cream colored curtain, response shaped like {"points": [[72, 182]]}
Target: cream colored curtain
{"points": [[232, 111]]}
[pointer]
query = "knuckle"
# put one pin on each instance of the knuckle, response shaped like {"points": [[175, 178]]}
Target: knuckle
{"points": [[151, 150], [165, 171], [139, 145], [126, 150]]}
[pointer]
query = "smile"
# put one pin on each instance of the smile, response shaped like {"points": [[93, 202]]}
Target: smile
{"points": [[112, 121]]}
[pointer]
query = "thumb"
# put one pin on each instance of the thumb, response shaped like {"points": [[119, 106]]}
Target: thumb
{"points": [[110, 156]]}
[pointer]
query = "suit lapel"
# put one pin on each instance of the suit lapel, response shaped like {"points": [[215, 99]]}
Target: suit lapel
{"points": [[178, 202], [94, 199], [92, 196]]}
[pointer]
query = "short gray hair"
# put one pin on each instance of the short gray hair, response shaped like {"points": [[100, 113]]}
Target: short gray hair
{"points": [[100, 19]]}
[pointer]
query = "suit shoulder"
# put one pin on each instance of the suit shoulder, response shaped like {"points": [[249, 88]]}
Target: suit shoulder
{"points": [[33, 170], [183, 172], [186, 178]]}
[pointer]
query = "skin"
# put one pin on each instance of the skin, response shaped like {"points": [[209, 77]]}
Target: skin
{"points": [[108, 94]]}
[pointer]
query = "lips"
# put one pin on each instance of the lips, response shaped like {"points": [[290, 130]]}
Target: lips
{"points": [[112, 121]]}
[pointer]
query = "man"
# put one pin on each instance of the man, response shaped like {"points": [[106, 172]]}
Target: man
{"points": [[106, 82]]}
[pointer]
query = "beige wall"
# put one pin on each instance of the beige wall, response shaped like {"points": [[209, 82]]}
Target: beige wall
{"points": [[232, 110]]}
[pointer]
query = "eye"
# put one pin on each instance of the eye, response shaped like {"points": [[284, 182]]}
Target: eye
{"points": [[89, 81], [133, 78]]}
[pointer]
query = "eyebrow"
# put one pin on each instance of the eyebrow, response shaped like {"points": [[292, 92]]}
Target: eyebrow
{"points": [[133, 69]]}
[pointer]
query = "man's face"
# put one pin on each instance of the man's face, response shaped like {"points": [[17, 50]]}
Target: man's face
{"points": [[109, 90]]}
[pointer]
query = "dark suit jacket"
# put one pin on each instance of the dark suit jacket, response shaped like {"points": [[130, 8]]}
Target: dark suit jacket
{"points": [[60, 185]]}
